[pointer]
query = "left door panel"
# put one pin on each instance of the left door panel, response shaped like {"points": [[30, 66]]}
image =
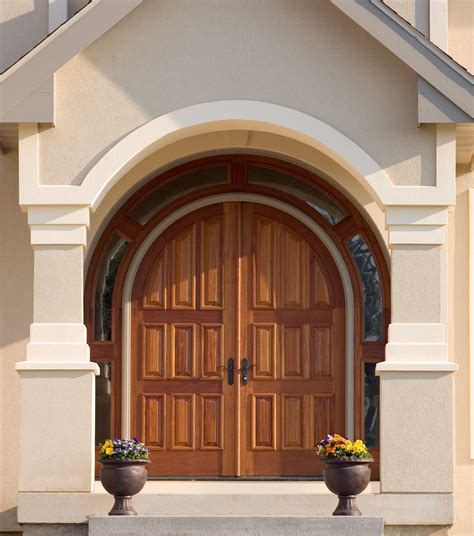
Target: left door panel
{"points": [[183, 333]]}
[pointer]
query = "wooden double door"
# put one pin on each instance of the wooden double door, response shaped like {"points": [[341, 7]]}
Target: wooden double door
{"points": [[227, 283]]}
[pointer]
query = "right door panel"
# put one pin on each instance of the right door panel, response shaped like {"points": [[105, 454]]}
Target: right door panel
{"points": [[292, 333]]}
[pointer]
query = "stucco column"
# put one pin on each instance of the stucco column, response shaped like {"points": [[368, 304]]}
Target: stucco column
{"points": [[57, 377], [416, 382]]}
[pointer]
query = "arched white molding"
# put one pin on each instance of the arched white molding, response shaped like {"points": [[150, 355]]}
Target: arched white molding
{"points": [[204, 202], [235, 115]]}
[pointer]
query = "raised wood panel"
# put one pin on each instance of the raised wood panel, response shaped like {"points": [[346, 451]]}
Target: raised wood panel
{"points": [[212, 350], [154, 421], [322, 417], [183, 422], [212, 422], [156, 288], [264, 263], [320, 294], [264, 422], [264, 351], [293, 273], [293, 422], [321, 350], [212, 277], [154, 350], [294, 351], [183, 351], [183, 269]]}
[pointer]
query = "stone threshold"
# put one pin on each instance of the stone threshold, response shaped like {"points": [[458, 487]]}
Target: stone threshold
{"points": [[238, 487]]}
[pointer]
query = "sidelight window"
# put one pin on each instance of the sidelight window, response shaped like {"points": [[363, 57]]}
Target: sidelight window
{"points": [[372, 292], [105, 287]]}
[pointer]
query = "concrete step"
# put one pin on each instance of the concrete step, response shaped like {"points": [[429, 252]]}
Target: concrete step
{"points": [[234, 526]]}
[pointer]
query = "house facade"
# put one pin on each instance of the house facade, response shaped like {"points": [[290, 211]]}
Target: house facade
{"points": [[229, 229]]}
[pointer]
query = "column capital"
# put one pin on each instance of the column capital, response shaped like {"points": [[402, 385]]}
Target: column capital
{"points": [[418, 224], [58, 225]]}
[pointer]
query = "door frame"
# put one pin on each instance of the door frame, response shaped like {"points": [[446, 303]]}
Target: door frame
{"points": [[212, 200], [123, 225]]}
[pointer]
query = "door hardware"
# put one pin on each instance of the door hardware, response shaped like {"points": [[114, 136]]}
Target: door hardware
{"points": [[230, 370], [245, 370]]}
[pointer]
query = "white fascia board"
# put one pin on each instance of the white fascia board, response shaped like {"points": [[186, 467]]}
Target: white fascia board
{"points": [[37, 107], [415, 50], [31, 71]]}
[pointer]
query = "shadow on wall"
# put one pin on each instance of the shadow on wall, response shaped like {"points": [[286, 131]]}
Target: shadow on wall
{"points": [[23, 24]]}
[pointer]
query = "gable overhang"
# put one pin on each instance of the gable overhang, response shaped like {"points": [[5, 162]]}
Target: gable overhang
{"points": [[445, 93], [27, 87]]}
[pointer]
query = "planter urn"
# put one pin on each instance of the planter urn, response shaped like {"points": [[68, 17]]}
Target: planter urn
{"points": [[346, 478], [123, 479]]}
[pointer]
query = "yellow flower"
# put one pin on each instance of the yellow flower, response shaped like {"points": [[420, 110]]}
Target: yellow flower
{"points": [[109, 451]]}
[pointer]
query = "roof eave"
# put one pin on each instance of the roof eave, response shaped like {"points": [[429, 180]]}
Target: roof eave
{"points": [[414, 49], [39, 65]]}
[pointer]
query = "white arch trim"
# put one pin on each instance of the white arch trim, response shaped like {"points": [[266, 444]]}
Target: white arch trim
{"points": [[211, 200], [224, 116], [232, 115]]}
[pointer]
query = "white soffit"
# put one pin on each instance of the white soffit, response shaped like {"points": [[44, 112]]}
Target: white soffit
{"points": [[414, 49], [38, 66]]}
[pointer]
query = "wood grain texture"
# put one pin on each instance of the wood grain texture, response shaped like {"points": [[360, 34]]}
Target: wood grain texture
{"points": [[183, 351], [324, 306], [212, 280], [183, 269], [154, 357]]}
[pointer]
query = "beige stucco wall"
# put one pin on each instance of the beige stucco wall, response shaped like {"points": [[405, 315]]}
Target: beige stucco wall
{"points": [[459, 352], [461, 32], [167, 55], [16, 313], [23, 24]]}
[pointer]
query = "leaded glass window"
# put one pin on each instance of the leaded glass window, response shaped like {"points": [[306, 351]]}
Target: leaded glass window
{"points": [[370, 279], [317, 200], [103, 403], [105, 287], [371, 405]]}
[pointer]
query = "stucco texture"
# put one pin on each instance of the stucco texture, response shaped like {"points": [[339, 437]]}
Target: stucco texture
{"points": [[459, 352], [16, 314], [461, 32], [168, 55]]}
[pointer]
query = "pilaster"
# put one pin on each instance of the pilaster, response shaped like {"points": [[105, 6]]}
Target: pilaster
{"points": [[416, 376], [57, 378]]}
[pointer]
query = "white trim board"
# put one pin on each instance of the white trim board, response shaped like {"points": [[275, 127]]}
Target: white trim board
{"points": [[221, 198], [471, 317]]}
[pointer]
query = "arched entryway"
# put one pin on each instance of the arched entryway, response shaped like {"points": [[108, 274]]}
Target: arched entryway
{"points": [[242, 280]]}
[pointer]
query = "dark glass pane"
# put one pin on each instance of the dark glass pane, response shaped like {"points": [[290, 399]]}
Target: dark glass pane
{"points": [[174, 188], [371, 405], [103, 403], [371, 286], [319, 201], [105, 288]]}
